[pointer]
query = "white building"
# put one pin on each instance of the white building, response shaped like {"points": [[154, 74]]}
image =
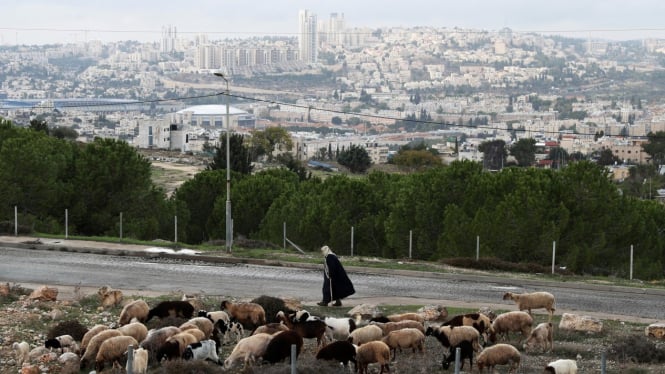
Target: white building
{"points": [[308, 36]]}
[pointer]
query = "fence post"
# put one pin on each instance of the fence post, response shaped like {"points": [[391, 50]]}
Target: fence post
{"points": [[66, 223], [284, 235], [458, 354], [631, 262], [293, 359], [15, 220], [477, 247], [351, 241], [176, 230], [120, 226], [410, 242], [603, 363], [553, 255], [130, 359]]}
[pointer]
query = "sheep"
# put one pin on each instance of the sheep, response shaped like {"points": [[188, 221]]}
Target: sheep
{"points": [[203, 350], [109, 297], [373, 352], [236, 329], [173, 308], [156, 339], [308, 329], [139, 362], [271, 305], [279, 347], [193, 330], [137, 330], [499, 354], [88, 335], [248, 349], [340, 351], [94, 344], [466, 351], [62, 342], [511, 322], [270, 328], [404, 338], [339, 328], [70, 363], [563, 366], [251, 315], [22, 352], [406, 317], [534, 300], [365, 334], [540, 336], [203, 324], [175, 346], [113, 349], [478, 321], [37, 352], [450, 336], [387, 327], [215, 315], [138, 309]]}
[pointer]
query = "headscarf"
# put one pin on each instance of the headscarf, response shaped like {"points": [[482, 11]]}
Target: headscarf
{"points": [[325, 250]]}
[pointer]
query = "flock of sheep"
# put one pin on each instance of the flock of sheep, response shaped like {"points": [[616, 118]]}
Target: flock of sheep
{"points": [[262, 338]]}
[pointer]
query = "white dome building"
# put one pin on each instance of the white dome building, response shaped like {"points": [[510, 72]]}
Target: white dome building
{"points": [[213, 117]]}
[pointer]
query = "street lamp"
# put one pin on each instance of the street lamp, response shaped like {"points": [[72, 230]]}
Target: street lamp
{"points": [[229, 233]]}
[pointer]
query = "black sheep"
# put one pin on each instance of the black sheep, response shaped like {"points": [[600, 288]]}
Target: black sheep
{"points": [[279, 347], [176, 308], [466, 351], [341, 351]]}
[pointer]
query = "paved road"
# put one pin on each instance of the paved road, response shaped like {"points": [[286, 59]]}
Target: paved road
{"points": [[247, 281]]}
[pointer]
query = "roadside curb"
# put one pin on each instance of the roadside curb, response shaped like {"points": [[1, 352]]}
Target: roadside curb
{"points": [[141, 251]]}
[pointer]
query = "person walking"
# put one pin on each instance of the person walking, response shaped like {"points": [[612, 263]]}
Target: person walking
{"points": [[336, 283]]}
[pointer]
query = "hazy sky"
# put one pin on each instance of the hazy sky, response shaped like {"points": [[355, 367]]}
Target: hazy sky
{"points": [[61, 21]]}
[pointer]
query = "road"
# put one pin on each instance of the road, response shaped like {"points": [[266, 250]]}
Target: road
{"points": [[162, 276]]}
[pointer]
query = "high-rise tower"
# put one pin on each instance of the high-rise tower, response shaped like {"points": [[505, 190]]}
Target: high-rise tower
{"points": [[307, 37]]}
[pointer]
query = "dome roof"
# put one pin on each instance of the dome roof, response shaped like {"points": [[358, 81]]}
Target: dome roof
{"points": [[211, 110]]}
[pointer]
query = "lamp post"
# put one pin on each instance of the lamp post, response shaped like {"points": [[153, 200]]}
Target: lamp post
{"points": [[229, 233]]}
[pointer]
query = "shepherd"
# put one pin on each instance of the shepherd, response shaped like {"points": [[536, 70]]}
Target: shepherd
{"points": [[336, 283]]}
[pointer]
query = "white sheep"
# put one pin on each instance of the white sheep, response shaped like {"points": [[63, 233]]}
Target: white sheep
{"points": [[248, 349], [451, 336], [271, 328], [407, 317], [478, 321], [94, 344], [499, 354], [138, 309], [62, 342], [137, 330], [204, 324], [139, 361], [96, 329], [215, 316], [175, 345], [511, 322], [404, 338], [251, 315], [387, 327], [203, 350], [192, 329], [112, 349], [373, 352], [563, 366], [541, 336], [339, 328], [365, 334], [22, 352], [70, 363], [534, 300], [37, 352]]}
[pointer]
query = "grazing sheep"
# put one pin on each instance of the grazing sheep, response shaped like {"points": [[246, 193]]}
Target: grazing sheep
{"points": [[136, 330], [365, 334], [404, 338], [156, 339], [251, 315], [113, 349], [192, 329], [279, 347], [38, 352], [270, 328], [215, 316], [96, 329], [541, 336], [109, 297], [62, 342], [172, 308], [387, 327], [499, 354], [175, 346], [311, 328], [534, 300], [450, 336], [202, 323], [373, 352], [478, 321], [22, 352], [236, 329], [271, 305], [563, 366], [94, 344], [339, 328], [248, 349], [466, 351], [406, 317], [138, 309], [203, 350], [340, 351], [139, 362], [70, 363], [511, 322]]}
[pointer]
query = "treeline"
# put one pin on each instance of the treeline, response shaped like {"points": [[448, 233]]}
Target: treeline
{"points": [[517, 212]]}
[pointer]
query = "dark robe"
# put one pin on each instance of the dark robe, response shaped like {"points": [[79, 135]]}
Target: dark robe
{"points": [[336, 284]]}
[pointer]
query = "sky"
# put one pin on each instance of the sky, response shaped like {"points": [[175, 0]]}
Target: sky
{"points": [[65, 21]]}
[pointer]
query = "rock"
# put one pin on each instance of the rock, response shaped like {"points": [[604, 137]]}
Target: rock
{"points": [[577, 322], [655, 330], [44, 293], [488, 312], [4, 289], [366, 311], [30, 369], [56, 314], [434, 312]]}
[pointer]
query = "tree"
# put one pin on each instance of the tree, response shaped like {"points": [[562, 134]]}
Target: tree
{"points": [[294, 165], [559, 157], [655, 147], [355, 158], [494, 154], [239, 155], [416, 160], [336, 120], [524, 151], [39, 125], [64, 133], [606, 157], [267, 141], [198, 196]]}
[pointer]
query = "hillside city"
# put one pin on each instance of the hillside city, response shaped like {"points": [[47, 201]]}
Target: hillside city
{"points": [[334, 85]]}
